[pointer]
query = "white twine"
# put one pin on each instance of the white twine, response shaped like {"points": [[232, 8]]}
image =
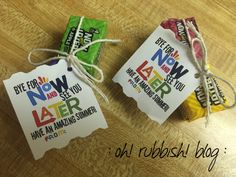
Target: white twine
{"points": [[77, 64], [203, 70]]}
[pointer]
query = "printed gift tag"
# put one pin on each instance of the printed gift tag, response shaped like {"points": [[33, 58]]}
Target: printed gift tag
{"points": [[159, 75], [53, 106]]}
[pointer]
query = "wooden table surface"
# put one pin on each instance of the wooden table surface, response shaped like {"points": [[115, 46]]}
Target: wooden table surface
{"points": [[29, 24]]}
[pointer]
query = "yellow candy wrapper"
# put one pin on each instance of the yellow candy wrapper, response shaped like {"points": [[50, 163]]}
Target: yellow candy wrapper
{"points": [[194, 106]]}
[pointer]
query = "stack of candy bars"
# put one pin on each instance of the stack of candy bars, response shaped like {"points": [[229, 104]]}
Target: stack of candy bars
{"points": [[194, 106]]}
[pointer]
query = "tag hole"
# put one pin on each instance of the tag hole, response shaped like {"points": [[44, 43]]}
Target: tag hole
{"points": [[196, 75], [69, 68]]}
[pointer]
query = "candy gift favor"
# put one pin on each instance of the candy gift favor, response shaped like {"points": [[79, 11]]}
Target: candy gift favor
{"points": [[170, 68], [56, 103]]}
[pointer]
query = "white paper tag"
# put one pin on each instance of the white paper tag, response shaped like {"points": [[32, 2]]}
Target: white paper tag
{"points": [[53, 106], [159, 75]]}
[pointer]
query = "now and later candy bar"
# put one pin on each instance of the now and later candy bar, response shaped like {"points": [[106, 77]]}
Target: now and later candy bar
{"points": [[91, 29], [194, 106]]}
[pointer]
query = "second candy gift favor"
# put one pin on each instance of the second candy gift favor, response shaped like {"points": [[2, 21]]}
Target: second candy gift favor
{"points": [[159, 75]]}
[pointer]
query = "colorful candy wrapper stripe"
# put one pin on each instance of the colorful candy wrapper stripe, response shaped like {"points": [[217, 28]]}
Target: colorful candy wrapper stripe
{"points": [[91, 29], [194, 106]]}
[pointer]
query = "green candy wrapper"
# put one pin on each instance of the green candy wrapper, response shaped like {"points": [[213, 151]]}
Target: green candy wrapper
{"points": [[91, 29]]}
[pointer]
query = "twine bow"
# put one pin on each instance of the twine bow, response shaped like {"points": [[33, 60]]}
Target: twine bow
{"points": [[203, 70], [77, 64]]}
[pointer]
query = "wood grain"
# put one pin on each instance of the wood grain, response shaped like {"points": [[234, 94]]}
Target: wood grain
{"points": [[28, 24]]}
